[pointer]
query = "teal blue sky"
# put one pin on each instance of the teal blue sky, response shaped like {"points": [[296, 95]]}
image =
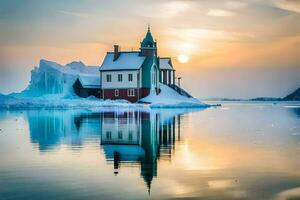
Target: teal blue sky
{"points": [[235, 48]]}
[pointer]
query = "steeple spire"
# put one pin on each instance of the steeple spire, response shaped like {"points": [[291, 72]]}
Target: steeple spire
{"points": [[148, 45], [148, 41]]}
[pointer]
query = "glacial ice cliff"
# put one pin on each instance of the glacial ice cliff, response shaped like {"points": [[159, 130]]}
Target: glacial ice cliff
{"points": [[53, 78]]}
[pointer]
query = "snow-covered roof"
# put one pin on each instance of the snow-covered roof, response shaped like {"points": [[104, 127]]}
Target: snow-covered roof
{"points": [[165, 63], [125, 61], [89, 81]]}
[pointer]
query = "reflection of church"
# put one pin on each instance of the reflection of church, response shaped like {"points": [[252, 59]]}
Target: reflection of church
{"points": [[138, 138]]}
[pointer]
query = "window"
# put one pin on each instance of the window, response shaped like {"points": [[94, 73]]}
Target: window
{"points": [[116, 93], [108, 78], [153, 78], [120, 77], [108, 135], [120, 135], [130, 136], [130, 92], [130, 78]]}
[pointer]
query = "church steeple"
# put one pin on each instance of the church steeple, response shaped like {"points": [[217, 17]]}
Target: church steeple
{"points": [[148, 45], [148, 41]]}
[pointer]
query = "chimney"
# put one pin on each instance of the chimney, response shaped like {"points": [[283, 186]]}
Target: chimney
{"points": [[116, 52]]}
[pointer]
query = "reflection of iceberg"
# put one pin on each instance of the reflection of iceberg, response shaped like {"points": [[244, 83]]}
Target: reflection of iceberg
{"points": [[46, 130], [51, 129]]}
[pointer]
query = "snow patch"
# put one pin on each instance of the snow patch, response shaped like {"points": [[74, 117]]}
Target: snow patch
{"points": [[168, 97]]}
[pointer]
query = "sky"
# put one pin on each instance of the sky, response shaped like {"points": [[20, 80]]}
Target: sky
{"points": [[227, 48]]}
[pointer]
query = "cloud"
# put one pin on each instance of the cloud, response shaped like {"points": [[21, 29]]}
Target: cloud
{"points": [[75, 14], [293, 193], [236, 4], [166, 10], [220, 13], [197, 40], [290, 5]]}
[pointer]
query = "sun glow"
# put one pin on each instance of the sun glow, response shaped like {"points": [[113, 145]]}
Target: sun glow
{"points": [[183, 58]]}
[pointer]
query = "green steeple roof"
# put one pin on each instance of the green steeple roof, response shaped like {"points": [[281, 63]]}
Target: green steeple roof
{"points": [[148, 40]]}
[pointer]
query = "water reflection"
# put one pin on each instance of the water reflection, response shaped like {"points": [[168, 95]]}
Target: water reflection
{"points": [[50, 130], [238, 151], [127, 138], [296, 111]]}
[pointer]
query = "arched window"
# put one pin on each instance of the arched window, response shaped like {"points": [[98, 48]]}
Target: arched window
{"points": [[153, 75]]}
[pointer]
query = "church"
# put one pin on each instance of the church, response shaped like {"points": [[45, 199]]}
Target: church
{"points": [[132, 75]]}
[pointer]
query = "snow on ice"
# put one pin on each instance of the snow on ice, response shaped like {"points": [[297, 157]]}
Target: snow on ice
{"points": [[170, 98]]}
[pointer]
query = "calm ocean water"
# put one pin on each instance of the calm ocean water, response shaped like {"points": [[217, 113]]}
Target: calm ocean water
{"points": [[237, 151]]}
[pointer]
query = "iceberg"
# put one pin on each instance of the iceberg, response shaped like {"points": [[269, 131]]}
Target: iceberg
{"points": [[53, 78]]}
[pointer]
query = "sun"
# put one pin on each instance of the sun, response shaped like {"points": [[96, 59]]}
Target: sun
{"points": [[182, 58]]}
